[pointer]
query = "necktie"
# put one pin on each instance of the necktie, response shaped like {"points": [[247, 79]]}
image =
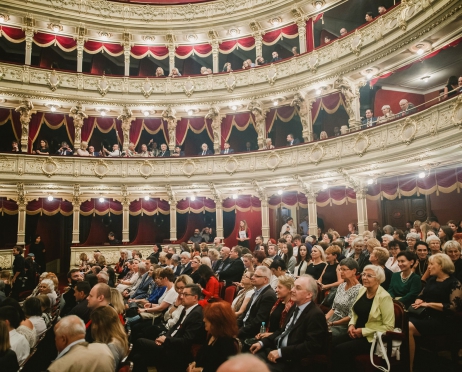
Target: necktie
{"points": [[177, 326], [288, 327], [203, 152]]}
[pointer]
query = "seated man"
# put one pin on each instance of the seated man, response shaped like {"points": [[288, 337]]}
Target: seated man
{"points": [[91, 151], [205, 150], [73, 277], [233, 268], [248, 146], [369, 120], [196, 238], [130, 151], [114, 153], [184, 268], [112, 239], [102, 277], [74, 354], [207, 235], [343, 31], [128, 283], [177, 152], [81, 292], [382, 10], [260, 305], [164, 152], [172, 351], [407, 108], [140, 290], [15, 147], [64, 150], [275, 56], [304, 332], [227, 149], [144, 152], [291, 140]]}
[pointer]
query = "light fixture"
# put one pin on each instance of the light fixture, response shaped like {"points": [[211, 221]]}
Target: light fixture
{"points": [[275, 102], [101, 200], [234, 196], [105, 35], [425, 78], [53, 106], [192, 198], [4, 17], [318, 5], [190, 112], [324, 186], [146, 197], [149, 39], [50, 198], [279, 192], [146, 113], [234, 107], [318, 92], [370, 181], [422, 175], [102, 111], [420, 51]]}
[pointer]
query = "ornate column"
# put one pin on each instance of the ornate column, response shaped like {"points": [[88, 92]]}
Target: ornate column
{"points": [[218, 211], [25, 109], [28, 28], [170, 38], [304, 108], [258, 44], [312, 212], [80, 43], [22, 201], [125, 200], [169, 115], [361, 205], [127, 117], [127, 48], [256, 108], [301, 23], [76, 202], [172, 203], [351, 99], [78, 115], [215, 56], [214, 115], [265, 227]]}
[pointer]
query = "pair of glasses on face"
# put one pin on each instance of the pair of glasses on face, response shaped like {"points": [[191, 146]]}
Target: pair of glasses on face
{"points": [[368, 276]]}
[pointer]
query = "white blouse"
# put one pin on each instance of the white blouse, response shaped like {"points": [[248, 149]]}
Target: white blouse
{"points": [[393, 266]]}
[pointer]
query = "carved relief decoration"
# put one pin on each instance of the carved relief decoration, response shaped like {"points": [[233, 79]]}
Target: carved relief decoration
{"points": [[408, 130], [189, 167], [230, 82], [188, 87], [272, 74], [356, 42], [317, 153], [273, 160], [53, 80], [146, 168], [362, 143], [101, 168], [146, 88], [456, 116], [231, 165], [103, 85], [49, 166]]}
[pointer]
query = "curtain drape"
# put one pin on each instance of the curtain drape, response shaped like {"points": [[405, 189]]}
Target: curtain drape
{"points": [[141, 51], [66, 43], [94, 47], [272, 37], [246, 43]]}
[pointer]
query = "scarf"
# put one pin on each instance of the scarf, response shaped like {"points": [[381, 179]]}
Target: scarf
{"points": [[287, 307]]}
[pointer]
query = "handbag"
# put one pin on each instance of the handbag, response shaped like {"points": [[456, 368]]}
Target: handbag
{"points": [[420, 312], [378, 348], [329, 299]]}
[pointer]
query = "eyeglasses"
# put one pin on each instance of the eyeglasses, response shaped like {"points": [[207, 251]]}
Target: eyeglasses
{"points": [[368, 276], [187, 294], [258, 276], [344, 269]]}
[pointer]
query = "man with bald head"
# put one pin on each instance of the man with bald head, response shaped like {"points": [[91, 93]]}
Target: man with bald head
{"points": [[303, 333], [230, 268], [100, 296], [74, 353], [407, 108], [243, 363], [343, 31]]}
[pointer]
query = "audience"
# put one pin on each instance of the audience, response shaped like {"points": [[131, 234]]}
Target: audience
{"points": [[19, 344], [8, 359]]}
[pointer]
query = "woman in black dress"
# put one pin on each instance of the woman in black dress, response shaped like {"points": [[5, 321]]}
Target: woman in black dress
{"points": [[42, 148], [8, 359], [221, 325], [38, 249], [331, 277], [440, 298], [451, 85], [318, 262]]}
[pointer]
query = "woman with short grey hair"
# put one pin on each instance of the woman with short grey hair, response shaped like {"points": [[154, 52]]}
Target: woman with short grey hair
{"points": [[434, 244], [47, 287], [411, 240]]}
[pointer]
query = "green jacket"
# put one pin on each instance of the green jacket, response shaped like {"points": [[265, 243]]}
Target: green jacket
{"points": [[382, 315]]}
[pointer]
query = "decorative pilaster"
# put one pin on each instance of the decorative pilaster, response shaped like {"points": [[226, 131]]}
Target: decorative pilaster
{"points": [[351, 99], [76, 202], [301, 23], [258, 44], [169, 115], [218, 211], [361, 205], [312, 212], [22, 201], [172, 202], [256, 108], [25, 109], [170, 38], [125, 200], [215, 54], [304, 108], [265, 227], [127, 117], [214, 115], [80, 42], [78, 115], [127, 47], [29, 31]]}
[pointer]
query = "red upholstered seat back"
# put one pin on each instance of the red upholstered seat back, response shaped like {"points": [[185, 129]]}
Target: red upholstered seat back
{"points": [[230, 292]]}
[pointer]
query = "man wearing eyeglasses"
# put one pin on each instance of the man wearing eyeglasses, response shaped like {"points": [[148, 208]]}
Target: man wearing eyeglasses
{"points": [[260, 304], [172, 351]]}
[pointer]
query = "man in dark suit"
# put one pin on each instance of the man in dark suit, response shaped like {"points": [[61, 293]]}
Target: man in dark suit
{"points": [[205, 150], [304, 332], [164, 151], [291, 140], [227, 149], [369, 121], [177, 152], [81, 291], [260, 305], [233, 268], [248, 147], [275, 58], [184, 268], [172, 351], [73, 277]]}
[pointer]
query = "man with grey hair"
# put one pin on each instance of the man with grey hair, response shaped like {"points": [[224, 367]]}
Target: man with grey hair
{"points": [[74, 353], [184, 268], [233, 267], [304, 332], [388, 229], [141, 289], [243, 363], [260, 304], [103, 277], [407, 108]]}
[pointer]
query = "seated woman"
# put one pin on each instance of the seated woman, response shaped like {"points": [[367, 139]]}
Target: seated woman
{"points": [[394, 247], [351, 241], [331, 276], [453, 249], [8, 359], [379, 257], [47, 287], [268, 144], [46, 309], [120, 264], [156, 291], [440, 298], [211, 287], [247, 261], [281, 307], [303, 260], [405, 286], [434, 244], [221, 326], [42, 148], [445, 234], [288, 257], [421, 266], [347, 292], [318, 262], [25, 327], [107, 329], [239, 304], [227, 67], [174, 73], [387, 114], [372, 311], [323, 135], [160, 72], [33, 311], [195, 263], [83, 149]]}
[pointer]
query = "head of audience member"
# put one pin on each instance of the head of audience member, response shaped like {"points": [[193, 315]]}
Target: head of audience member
{"points": [[46, 286], [17, 250], [323, 135], [440, 263], [45, 303], [225, 253], [32, 307], [434, 244], [305, 289], [10, 316], [382, 9], [261, 277], [99, 296], [386, 110], [272, 250], [248, 145], [404, 104], [220, 320], [379, 256], [235, 253], [5, 344], [327, 39], [343, 31], [369, 16], [295, 51], [278, 268], [258, 257], [69, 330], [81, 291], [227, 67], [284, 287], [348, 268], [243, 363], [453, 249], [185, 257], [373, 276], [317, 253], [91, 150], [290, 137], [421, 249], [74, 276], [275, 54], [411, 240], [190, 296], [159, 72], [369, 114]]}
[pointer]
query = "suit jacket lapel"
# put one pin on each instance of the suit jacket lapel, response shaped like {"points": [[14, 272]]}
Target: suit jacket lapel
{"points": [[299, 322]]}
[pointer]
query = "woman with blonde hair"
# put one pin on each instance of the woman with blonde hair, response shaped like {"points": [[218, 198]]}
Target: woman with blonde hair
{"points": [[83, 149], [243, 234], [387, 114], [318, 262], [107, 329], [117, 301], [242, 299], [8, 359], [160, 72], [83, 262]]}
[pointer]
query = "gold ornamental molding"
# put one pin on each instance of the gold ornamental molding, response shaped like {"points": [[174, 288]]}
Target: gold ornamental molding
{"points": [[101, 168], [408, 130], [456, 116], [362, 143], [49, 166]]}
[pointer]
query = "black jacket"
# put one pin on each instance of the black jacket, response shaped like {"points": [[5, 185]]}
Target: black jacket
{"points": [[81, 310], [232, 271], [165, 155]]}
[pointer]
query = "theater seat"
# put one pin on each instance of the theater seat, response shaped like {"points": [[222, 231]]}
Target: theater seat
{"points": [[221, 285], [126, 367], [230, 292]]}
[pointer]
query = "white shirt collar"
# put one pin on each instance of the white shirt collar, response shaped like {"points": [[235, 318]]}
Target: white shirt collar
{"points": [[68, 347]]}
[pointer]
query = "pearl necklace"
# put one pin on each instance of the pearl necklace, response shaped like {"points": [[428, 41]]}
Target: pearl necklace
{"points": [[404, 280]]}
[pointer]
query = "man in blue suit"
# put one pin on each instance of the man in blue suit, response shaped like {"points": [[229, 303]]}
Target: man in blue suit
{"points": [[205, 150], [227, 149], [369, 120]]}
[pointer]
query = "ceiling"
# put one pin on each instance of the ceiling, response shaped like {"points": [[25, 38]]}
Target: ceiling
{"points": [[162, 2]]}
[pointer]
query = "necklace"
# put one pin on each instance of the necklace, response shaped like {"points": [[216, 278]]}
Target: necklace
{"points": [[424, 267], [404, 280]]}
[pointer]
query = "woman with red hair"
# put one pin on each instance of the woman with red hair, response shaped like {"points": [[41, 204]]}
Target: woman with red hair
{"points": [[221, 326]]}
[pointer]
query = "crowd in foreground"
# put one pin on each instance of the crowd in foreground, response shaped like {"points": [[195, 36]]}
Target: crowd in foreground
{"points": [[287, 302]]}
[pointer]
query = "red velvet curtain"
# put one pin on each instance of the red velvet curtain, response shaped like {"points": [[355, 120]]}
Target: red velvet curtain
{"points": [[195, 124], [94, 47], [13, 34], [253, 219], [329, 103], [185, 51], [240, 120], [246, 43], [142, 51], [49, 208], [272, 37], [283, 113], [65, 43]]}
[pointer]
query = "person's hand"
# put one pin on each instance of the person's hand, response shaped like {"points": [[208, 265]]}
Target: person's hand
{"points": [[419, 303], [273, 356], [262, 335], [351, 331], [255, 347], [357, 333], [160, 340]]}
